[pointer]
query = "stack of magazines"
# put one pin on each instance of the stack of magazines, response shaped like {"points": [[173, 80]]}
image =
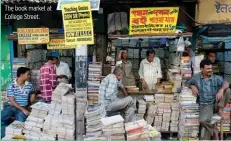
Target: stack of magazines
{"points": [[93, 117], [137, 130], [113, 126]]}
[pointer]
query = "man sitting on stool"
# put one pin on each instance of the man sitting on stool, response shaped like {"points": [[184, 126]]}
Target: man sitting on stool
{"points": [[108, 95], [19, 93], [212, 93]]}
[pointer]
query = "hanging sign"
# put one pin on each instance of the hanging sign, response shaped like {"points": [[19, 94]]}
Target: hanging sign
{"points": [[33, 35], [78, 27], [153, 20], [94, 3], [213, 11], [58, 44]]}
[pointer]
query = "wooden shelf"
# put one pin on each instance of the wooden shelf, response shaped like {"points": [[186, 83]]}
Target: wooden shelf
{"points": [[166, 35]]}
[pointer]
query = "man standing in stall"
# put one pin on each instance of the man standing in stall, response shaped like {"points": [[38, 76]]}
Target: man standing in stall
{"points": [[213, 94], [150, 71], [48, 77], [62, 69], [216, 67], [21, 94], [108, 92]]}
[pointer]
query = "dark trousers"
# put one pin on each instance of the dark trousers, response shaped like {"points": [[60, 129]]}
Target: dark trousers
{"points": [[8, 112]]}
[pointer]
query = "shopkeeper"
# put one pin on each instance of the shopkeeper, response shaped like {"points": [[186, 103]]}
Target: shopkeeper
{"points": [[21, 94], [62, 70], [212, 57], [128, 79], [212, 93], [48, 77], [108, 92], [150, 71]]}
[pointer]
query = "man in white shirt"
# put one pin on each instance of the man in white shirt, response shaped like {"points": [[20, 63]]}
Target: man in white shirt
{"points": [[150, 70], [62, 70]]}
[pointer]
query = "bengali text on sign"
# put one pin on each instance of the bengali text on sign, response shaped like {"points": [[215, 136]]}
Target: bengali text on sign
{"points": [[153, 20], [58, 44], [33, 35], [77, 19]]}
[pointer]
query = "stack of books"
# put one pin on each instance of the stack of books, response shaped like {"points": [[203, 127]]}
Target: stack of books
{"points": [[141, 109], [189, 115], [94, 77], [137, 130], [149, 98], [93, 118], [95, 137], [34, 122], [113, 126], [159, 98], [15, 128], [227, 120], [186, 69], [154, 134], [151, 112], [175, 117]]}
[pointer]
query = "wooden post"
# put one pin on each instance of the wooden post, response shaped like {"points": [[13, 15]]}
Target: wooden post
{"points": [[81, 66]]}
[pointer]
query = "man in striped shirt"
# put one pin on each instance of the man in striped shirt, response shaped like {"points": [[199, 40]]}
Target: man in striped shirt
{"points": [[21, 94], [48, 77]]}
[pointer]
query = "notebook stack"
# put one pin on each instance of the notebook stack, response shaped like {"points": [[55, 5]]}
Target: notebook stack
{"points": [[94, 77], [175, 117], [151, 112], [114, 126], [141, 109], [137, 130], [93, 118], [15, 128], [34, 122], [189, 115]]}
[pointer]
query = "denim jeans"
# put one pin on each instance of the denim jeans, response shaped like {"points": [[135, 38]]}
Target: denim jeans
{"points": [[8, 112]]}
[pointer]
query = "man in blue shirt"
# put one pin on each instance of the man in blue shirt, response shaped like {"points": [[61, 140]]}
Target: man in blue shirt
{"points": [[212, 93], [20, 93]]}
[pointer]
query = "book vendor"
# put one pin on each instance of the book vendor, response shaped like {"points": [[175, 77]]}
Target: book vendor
{"points": [[108, 92], [150, 71], [21, 94], [212, 93]]}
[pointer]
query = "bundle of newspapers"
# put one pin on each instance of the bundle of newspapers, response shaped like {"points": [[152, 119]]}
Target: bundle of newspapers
{"points": [[189, 115], [93, 118], [15, 128], [137, 130], [141, 109], [113, 126], [61, 118], [34, 122]]}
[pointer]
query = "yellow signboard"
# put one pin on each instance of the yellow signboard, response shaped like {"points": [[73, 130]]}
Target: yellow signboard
{"points": [[213, 11], [78, 27], [58, 44], [153, 20], [33, 35]]}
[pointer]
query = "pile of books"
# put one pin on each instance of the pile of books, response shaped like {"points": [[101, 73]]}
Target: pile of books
{"points": [[151, 112], [141, 109], [61, 118], [94, 77], [15, 128], [227, 120], [137, 130], [186, 70], [113, 126], [175, 117], [154, 135], [93, 118], [189, 115], [34, 122]]}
